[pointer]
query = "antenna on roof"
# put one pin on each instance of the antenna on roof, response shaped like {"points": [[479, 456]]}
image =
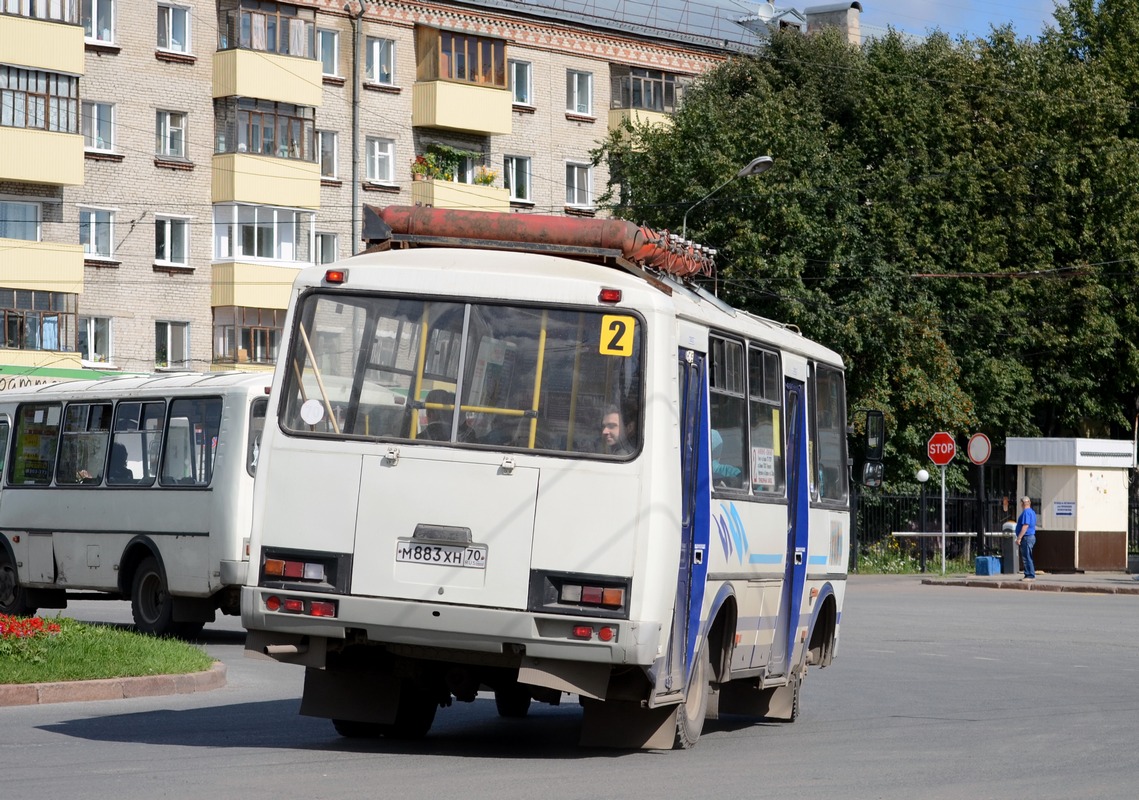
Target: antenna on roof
{"points": [[765, 12]]}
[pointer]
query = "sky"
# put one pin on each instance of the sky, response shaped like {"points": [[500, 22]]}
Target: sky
{"points": [[956, 17]]}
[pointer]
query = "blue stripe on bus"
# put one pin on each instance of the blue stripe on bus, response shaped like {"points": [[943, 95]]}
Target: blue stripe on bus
{"points": [[817, 560], [765, 558]]}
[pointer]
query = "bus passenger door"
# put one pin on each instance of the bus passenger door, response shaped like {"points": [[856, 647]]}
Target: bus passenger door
{"points": [[798, 506], [694, 531]]}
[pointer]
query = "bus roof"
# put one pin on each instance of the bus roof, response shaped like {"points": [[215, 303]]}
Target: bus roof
{"points": [[156, 383]]}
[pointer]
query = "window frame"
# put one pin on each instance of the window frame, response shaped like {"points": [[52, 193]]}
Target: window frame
{"points": [[7, 220], [510, 166], [169, 221], [579, 168], [88, 15], [164, 128], [372, 161], [512, 66], [89, 335], [574, 89], [320, 48], [169, 363], [53, 106], [98, 110], [90, 248], [374, 47], [172, 9], [333, 173], [318, 252]]}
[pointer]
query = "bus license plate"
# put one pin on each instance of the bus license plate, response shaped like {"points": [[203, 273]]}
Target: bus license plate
{"points": [[472, 556]]}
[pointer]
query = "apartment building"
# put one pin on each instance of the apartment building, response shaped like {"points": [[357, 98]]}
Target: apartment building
{"points": [[166, 166]]}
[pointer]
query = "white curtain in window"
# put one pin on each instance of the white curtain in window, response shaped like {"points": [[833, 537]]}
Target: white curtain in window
{"points": [[258, 32], [297, 37]]}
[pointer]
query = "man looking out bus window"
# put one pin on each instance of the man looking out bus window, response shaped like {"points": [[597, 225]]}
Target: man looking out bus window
{"points": [[613, 439]]}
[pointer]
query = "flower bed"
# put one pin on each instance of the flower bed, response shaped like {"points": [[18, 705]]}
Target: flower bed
{"points": [[25, 638]]}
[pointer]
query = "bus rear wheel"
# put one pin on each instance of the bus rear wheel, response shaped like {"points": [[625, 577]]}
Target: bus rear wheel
{"points": [[13, 597], [691, 713], [151, 603]]}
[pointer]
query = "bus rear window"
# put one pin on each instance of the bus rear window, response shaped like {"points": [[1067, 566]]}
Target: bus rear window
{"points": [[502, 376]]}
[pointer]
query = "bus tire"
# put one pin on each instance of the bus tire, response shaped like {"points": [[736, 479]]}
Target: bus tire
{"points": [[351, 729], [691, 713], [151, 603], [414, 716], [13, 596], [512, 701]]}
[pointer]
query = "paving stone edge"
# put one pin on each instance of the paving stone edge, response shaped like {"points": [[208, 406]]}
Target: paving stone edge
{"points": [[1034, 586], [30, 694]]}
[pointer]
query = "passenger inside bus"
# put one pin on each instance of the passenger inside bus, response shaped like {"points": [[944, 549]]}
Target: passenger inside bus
{"points": [[118, 471], [723, 475], [613, 441], [438, 427]]}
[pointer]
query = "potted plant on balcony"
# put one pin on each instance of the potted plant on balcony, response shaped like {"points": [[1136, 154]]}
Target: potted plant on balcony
{"points": [[484, 176], [425, 166]]}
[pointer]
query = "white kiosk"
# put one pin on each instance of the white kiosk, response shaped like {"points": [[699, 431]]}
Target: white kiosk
{"points": [[1079, 491]]}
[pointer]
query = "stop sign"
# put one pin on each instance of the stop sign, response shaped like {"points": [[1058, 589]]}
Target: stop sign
{"points": [[941, 448]]}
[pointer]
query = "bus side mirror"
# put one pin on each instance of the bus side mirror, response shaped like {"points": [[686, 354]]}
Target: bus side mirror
{"points": [[872, 472], [875, 435]]}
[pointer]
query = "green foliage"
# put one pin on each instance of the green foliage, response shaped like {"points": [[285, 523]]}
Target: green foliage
{"points": [[959, 219], [892, 556], [84, 652]]}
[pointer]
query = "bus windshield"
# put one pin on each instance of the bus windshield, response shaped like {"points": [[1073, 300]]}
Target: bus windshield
{"points": [[554, 379]]}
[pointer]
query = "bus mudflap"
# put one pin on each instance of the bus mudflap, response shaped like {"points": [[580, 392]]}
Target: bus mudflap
{"points": [[587, 680]]}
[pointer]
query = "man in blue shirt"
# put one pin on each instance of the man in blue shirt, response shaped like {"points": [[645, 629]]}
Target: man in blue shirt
{"points": [[1026, 537]]}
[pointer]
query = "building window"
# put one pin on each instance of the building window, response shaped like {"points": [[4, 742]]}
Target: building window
{"points": [[247, 335], [95, 229], [328, 45], [520, 82], [327, 140], [173, 28], [171, 240], [172, 345], [325, 248], [38, 320], [19, 220], [262, 232], [380, 67], [579, 92], [380, 155], [59, 12], [95, 339], [98, 20], [578, 185], [98, 129], [461, 57], [267, 26], [516, 177], [650, 89], [170, 134], [263, 127], [31, 98]]}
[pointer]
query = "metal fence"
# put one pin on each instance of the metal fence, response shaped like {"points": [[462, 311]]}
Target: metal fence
{"points": [[879, 515]]}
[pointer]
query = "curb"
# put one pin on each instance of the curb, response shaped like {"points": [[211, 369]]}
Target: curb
{"points": [[1035, 586], [30, 694]]}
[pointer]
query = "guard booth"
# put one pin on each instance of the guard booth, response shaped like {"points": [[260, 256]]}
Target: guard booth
{"points": [[1079, 490]]}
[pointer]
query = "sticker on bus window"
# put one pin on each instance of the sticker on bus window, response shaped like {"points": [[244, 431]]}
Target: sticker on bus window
{"points": [[617, 335]]}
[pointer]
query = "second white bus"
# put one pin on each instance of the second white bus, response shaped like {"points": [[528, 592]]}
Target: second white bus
{"points": [[132, 487]]}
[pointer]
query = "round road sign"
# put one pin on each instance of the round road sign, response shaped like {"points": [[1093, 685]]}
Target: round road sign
{"points": [[979, 448], [941, 448]]}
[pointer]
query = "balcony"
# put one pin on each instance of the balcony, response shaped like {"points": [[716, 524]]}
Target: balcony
{"points": [[264, 180], [638, 116], [41, 44], [41, 266], [466, 196], [269, 76], [237, 283], [32, 155], [458, 106]]}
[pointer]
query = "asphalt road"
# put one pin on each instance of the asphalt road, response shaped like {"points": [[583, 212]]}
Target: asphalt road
{"points": [[938, 692]]}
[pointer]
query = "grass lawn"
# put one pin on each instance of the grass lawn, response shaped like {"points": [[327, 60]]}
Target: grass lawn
{"points": [[36, 649]]}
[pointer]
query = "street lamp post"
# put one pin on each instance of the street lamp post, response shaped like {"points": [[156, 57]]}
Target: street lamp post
{"points": [[922, 476], [756, 166]]}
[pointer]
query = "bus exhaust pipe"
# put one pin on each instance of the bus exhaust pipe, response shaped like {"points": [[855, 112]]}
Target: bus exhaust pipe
{"points": [[285, 649]]}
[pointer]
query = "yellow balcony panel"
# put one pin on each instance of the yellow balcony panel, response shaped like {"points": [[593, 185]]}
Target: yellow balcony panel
{"points": [[28, 155], [39, 44], [638, 116], [245, 178], [20, 369], [41, 266], [251, 285], [242, 366], [466, 196], [268, 76], [461, 107]]}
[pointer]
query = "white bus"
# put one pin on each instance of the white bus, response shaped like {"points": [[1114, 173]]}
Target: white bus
{"points": [[551, 475], [137, 487]]}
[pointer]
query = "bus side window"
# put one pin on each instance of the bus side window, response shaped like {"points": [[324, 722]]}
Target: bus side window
{"points": [[83, 449], [191, 442], [3, 445], [135, 443], [256, 426], [37, 435]]}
